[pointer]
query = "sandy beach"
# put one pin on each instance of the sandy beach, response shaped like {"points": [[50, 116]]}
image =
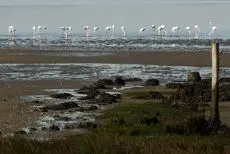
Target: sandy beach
{"points": [[172, 58]]}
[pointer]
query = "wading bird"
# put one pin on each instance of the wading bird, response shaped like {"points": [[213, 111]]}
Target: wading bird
{"points": [[212, 29], [141, 32], [123, 30], [161, 29]]}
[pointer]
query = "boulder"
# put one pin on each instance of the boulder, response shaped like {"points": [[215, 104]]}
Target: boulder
{"points": [[133, 80], [152, 82], [62, 96], [119, 81], [87, 125], [54, 128], [193, 77], [106, 82], [61, 106], [105, 98], [90, 91], [20, 132]]}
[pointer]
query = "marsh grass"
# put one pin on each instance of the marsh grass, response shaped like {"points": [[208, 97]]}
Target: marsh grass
{"points": [[135, 126]]}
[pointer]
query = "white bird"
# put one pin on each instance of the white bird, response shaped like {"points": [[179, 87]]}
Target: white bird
{"points": [[113, 30], [107, 29], [141, 32], [212, 29], [66, 30], [87, 30], [123, 30], [188, 29], [95, 29], [153, 28], [11, 30], [161, 28], [197, 31], [40, 29], [175, 30], [34, 30]]}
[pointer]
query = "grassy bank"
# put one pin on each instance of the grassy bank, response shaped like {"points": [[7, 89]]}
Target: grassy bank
{"points": [[139, 124]]}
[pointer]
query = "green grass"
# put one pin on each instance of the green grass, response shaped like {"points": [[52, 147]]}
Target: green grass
{"points": [[135, 126]]}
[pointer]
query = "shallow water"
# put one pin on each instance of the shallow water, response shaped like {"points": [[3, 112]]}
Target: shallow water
{"points": [[95, 71], [117, 44], [131, 14]]}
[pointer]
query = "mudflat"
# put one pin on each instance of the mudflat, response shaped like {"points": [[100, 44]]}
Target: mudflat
{"points": [[172, 58]]}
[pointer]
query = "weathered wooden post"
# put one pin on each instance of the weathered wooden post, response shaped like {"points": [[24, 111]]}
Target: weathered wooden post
{"points": [[215, 117]]}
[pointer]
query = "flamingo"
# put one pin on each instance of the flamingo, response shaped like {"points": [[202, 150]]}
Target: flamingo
{"points": [[141, 31], [161, 28], [175, 30], [113, 30], [188, 30], [34, 31], [212, 28], [153, 28], [11, 30], [107, 29], [87, 30], [123, 30], [95, 29], [197, 30]]}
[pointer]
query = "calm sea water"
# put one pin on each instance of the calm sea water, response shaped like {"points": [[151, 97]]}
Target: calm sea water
{"points": [[132, 14]]}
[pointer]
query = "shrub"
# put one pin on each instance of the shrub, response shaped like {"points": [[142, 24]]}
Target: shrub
{"points": [[149, 120], [195, 124]]}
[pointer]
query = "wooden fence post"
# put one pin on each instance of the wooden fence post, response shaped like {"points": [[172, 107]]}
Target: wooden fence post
{"points": [[215, 117]]}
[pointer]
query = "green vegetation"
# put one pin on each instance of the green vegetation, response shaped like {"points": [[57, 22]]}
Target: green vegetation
{"points": [[143, 125]]}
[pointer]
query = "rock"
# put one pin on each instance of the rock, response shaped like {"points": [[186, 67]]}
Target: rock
{"points": [[152, 82], [54, 128], [61, 96], [44, 129], [133, 80], [173, 85], [71, 126], [62, 106], [33, 129], [35, 102], [106, 82], [44, 110], [91, 108], [104, 98], [87, 125], [193, 77], [20, 132], [90, 91], [98, 86], [63, 118], [119, 81]]}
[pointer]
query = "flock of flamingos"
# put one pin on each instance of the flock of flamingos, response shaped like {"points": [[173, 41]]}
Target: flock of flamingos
{"points": [[110, 31]]}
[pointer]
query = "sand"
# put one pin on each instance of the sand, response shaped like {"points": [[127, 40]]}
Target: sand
{"points": [[14, 112], [173, 58]]}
